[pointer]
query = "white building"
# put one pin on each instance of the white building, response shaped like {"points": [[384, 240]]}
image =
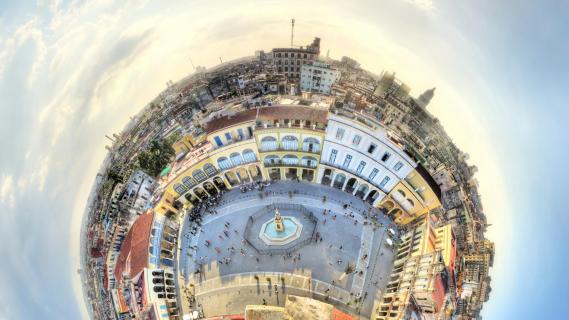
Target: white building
{"points": [[318, 77], [359, 157]]}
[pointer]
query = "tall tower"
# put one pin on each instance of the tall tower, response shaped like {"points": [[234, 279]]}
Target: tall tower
{"points": [[292, 33], [426, 97]]}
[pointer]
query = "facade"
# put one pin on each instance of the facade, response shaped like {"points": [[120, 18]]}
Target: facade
{"points": [[318, 77], [291, 142], [423, 273], [289, 61]]}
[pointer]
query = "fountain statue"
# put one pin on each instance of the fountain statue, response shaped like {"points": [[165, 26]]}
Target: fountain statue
{"points": [[279, 225]]}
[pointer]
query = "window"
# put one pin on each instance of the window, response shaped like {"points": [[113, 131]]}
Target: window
{"points": [[356, 140], [218, 142], [250, 130], [210, 170], [180, 189], [240, 133], [384, 182], [347, 161], [228, 136], [385, 156], [340, 133], [371, 148], [333, 155], [361, 167], [199, 175], [373, 173], [398, 166]]}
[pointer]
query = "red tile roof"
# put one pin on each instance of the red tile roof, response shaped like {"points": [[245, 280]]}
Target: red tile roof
{"points": [[133, 256], [226, 121], [294, 113], [340, 315]]}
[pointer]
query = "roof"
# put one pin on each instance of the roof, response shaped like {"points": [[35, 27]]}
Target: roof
{"points": [[133, 256], [226, 121], [294, 113]]}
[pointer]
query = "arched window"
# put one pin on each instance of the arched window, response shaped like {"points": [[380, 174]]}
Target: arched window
{"points": [[401, 192], [210, 170], [411, 203], [189, 182], [236, 158], [290, 160], [268, 143], [272, 160], [180, 188], [311, 145], [290, 143], [310, 162], [223, 163], [249, 155], [199, 175]]}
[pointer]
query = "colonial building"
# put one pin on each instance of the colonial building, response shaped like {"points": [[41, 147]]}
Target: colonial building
{"points": [[318, 77], [288, 61]]}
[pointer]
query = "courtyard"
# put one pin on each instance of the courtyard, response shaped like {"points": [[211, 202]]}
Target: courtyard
{"points": [[344, 260]]}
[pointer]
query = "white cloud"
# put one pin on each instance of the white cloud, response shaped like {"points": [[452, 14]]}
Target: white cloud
{"points": [[7, 191], [422, 4]]}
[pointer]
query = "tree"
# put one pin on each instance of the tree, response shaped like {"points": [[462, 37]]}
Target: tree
{"points": [[154, 158]]}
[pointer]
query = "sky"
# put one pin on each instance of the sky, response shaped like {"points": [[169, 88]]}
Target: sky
{"points": [[71, 72]]}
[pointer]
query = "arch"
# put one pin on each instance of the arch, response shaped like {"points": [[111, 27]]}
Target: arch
{"points": [[351, 185], [199, 175], [200, 193], [362, 191], [268, 143], [290, 160], [394, 214], [219, 183], [209, 187], [255, 172], [401, 192], [339, 181], [310, 162], [372, 196], [311, 145], [272, 160], [232, 178], [243, 175], [326, 177], [210, 170], [236, 158], [224, 163], [192, 198], [388, 206], [180, 188], [189, 182], [290, 143], [411, 203], [307, 175], [249, 155]]}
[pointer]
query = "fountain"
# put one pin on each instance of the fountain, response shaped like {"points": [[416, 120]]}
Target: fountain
{"points": [[280, 230]]}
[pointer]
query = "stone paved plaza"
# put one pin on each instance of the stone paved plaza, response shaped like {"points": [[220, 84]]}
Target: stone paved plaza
{"points": [[233, 274]]}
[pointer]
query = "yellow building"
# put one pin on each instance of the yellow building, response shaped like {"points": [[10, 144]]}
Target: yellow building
{"points": [[413, 197], [227, 157], [289, 140], [416, 279]]}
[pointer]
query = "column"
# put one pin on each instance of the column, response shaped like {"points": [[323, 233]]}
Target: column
{"points": [[367, 193]]}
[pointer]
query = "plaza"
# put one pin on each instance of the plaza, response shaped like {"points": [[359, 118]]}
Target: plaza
{"points": [[346, 261]]}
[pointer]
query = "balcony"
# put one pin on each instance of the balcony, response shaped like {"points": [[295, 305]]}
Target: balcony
{"points": [[290, 125], [274, 164], [307, 149]]}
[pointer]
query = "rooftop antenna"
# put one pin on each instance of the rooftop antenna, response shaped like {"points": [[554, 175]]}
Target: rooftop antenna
{"points": [[292, 33], [192, 63], [220, 60]]}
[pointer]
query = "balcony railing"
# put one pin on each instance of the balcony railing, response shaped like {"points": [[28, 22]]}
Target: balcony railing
{"points": [[266, 126], [230, 165], [298, 149], [289, 164]]}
